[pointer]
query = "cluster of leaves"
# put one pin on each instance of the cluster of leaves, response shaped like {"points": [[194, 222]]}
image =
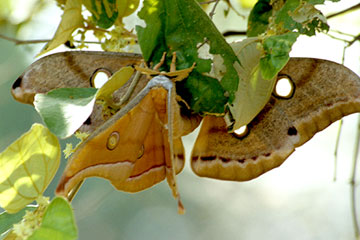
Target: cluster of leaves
{"points": [[27, 167], [104, 14], [221, 84], [233, 79]]}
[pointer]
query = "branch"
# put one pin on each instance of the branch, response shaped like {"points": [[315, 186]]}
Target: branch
{"points": [[353, 181], [344, 11], [207, 2], [354, 40], [20, 42]]}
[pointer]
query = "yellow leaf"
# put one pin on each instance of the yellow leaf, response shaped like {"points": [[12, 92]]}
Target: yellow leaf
{"points": [[70, 21], [247, 4], [27, 167], [126, 7], [253, 91], [116, 81]]}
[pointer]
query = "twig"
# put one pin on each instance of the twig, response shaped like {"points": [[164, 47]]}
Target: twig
{"points": [[343, 57], [349, 42], [337, 38], [232, 8], [342, 33], [207, 2], [353, 181], [343, 11], [20, 42], [354, 40], [212, 13], [337, 148]]}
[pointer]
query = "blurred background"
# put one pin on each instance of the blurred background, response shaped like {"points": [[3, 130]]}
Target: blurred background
{"points": [[298, 200]]}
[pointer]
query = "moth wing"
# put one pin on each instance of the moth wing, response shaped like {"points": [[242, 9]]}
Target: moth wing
{"points": [[324, 92], [75, 69], [68, 69], [154, 162], [131, 150]]}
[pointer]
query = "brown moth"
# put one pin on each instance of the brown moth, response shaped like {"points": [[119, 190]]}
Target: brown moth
{"points": [[136, 148], [141, 144]]}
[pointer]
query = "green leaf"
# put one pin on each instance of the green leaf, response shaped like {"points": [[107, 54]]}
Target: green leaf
{"points": [[254, 91], [277, 50], [259, 18], [314, 2], [104, 12], [27, 167], [302, 16], [126, 7], [70, 21], [7, 220], [211, 92], [152, 36], [64, 110], [297, 15], [310, 18], [182, 26], [58, 222]]}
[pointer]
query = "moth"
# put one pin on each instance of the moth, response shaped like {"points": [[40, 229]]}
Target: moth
{"points": [[141, 144]]}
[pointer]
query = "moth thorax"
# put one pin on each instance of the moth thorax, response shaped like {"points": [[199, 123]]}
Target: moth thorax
{"points": [[159, 97]]}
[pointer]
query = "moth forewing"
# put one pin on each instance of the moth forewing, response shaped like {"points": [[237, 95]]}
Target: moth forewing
{"points": [[135, 148], [68, 69]]}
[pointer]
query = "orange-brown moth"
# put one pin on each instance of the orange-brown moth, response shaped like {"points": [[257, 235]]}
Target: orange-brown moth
{"points": [[141, 144]]}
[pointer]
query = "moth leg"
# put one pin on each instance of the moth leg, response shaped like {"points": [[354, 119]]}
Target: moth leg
{"points": [[180, 74], [169, 111], [162, 60], [171, 105], [173, 63]]}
